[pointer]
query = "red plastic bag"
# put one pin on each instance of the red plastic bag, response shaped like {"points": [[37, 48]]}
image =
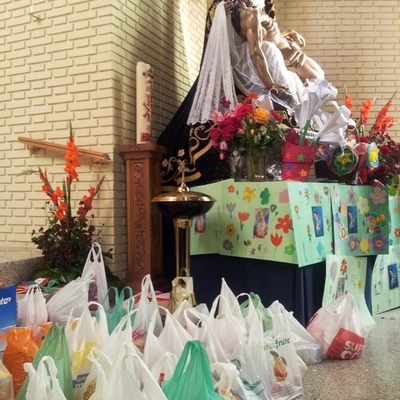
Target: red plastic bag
{"points": [[338, 328]]}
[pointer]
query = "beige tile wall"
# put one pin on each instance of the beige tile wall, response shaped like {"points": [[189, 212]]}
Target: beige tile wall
{"points": [[78, 64]]}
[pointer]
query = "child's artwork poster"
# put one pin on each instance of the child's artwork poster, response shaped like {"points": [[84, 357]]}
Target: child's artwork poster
{"points": [[360, 219], [205, 230], [255, 220], [385, 281], [394, 220], [347, 274], [310, 205]]}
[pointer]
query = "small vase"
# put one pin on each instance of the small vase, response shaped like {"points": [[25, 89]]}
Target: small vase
{"points": [[255, 165], [236, 162]]}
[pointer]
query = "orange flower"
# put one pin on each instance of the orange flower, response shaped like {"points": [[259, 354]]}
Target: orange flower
{"points": [[260, 115], [382, 120], [59, 215], [62, 206], [365, 107], [57, 194], [348, 102]]}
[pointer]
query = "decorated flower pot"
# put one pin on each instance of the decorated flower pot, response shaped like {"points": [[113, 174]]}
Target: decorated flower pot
{"points": [[297, 161]]}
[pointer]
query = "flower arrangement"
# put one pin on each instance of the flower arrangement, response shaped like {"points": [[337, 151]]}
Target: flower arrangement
{"points": [[66, 242], [247, 130], [382, 154]]}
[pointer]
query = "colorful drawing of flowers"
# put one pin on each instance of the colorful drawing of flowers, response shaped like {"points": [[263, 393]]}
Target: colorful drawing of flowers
{"points": [[320, 249], [343, 267], [378, 196], [284, 223], [351, 196], [284, 196], [290, 249], [343, 232], [231, 189], [230, 207], [379, 243], [326, 190], [333, 270], [397, 232], [230, 229], [265, 196], [353, 243], [362, 205], [276, 239], [249, 194], [227, 245], [317, 197], [243, 217], [365, 245], [343, 208]]}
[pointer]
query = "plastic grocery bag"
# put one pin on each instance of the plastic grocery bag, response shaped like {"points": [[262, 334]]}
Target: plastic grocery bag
{"points": [[74, 293], [55, 346], [94, 269], [83, 334], [6, 383], [145, 309], [43, 383], [32, 307], [22, 345], [307, 347], [337, 327], [286, 380], [192, 378], [119, 310]]}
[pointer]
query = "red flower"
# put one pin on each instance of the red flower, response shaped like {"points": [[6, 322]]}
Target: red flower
{"points": [[276, 239], [243, 216], [284, 223]]}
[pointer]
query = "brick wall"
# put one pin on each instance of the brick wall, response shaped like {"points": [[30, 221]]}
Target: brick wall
{"points": [[357, 44], [78, 63]]}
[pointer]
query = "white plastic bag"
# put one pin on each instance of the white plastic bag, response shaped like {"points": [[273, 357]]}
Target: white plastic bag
{"points": [[74, 293], [130, 379], [43, 383], [145, 309], [164, 367], [307, 347], [94, 268], [338, 328], [32, 307], [287, 377], [83, 334]]}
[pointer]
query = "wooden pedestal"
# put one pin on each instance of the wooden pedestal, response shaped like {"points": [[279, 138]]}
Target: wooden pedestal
{"points": [[144, 221]]}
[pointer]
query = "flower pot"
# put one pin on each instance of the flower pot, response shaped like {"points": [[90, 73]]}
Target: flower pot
{"points": [[297, 161]]}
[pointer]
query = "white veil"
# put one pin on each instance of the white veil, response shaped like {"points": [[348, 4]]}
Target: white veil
{"points": [[215, 79]]}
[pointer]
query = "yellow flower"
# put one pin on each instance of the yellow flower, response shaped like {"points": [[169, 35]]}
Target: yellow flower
{"points": [[230, 229], [373, 155], [249, 194], [260, 115]]}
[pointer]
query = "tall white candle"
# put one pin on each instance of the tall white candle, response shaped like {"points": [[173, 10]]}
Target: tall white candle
{"points": [[144, 103]]}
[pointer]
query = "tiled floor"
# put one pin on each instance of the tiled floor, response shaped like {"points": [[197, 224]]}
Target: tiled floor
{"points": [[373, 376]]}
